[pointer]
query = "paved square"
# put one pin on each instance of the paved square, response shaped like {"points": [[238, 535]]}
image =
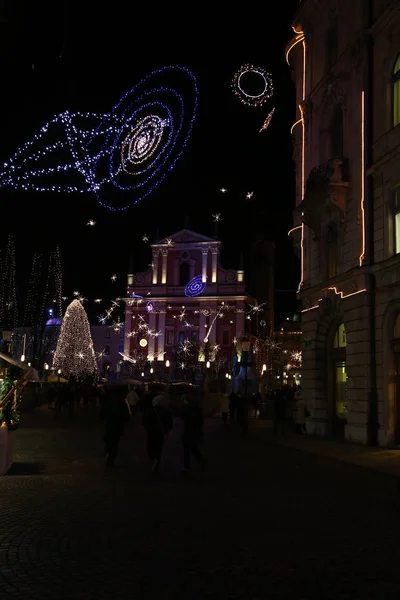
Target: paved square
{"points": [[263, 521]]}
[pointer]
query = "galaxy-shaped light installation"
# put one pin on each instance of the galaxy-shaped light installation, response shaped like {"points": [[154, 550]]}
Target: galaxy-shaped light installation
{"points": [[130, 149], [195, 287], [150, 307]]}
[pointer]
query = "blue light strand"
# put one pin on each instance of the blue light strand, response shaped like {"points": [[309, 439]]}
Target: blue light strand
{"points": [[101, 138]]}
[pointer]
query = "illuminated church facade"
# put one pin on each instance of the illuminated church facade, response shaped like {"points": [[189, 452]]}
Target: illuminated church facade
{"points": [[185, 296], [346, 67]]}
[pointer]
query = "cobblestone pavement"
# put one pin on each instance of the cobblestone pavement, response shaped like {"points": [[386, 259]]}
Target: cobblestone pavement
{"points": [[263, 521]]}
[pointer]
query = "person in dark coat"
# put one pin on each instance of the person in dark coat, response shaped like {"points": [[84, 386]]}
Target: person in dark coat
{"points": [[193, 423], [158, 422], [115, 413]]}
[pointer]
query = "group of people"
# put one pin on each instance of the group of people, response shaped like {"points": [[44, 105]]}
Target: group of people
{"points": [[157, 417], [289, 407]]}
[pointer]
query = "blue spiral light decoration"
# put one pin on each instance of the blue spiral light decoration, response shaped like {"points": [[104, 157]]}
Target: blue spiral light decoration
{"points": [[195, 287], [130, 149]]}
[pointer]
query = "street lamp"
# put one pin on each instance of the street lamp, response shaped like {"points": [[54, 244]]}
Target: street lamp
{"points": [[208, 364]]}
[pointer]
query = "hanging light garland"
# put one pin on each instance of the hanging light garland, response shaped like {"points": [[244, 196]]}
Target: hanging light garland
{"points": [[132, 148]]}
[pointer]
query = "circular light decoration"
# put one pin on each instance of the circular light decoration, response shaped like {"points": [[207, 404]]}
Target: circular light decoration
{"points": [[150, 307], [195, 287], [239, 86], [125, 153], [143, 343]]}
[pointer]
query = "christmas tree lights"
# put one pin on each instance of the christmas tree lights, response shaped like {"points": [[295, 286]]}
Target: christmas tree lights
{"points": [[132, 148], [74, 354]]}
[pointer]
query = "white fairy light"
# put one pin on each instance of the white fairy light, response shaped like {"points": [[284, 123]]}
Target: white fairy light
{"points": [[249, 195], [91, 223], [217, 217]]}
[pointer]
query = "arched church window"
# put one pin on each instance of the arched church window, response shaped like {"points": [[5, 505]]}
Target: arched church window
{"points": [[184, 273], [396, 92], [337, 133]]}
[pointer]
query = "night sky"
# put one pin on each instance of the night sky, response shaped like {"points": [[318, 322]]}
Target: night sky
{"points": [[66, 59]]}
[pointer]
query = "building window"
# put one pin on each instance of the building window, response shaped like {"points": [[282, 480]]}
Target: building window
{"points": [[340, 340], [107, 350], [108, 333], [194, 336], [396, 93], [184, 273], [121, 333], [225, 337], [332, 249], [337, 133], [396, 209], [121, 348], [332, 44], [170, 337], [182, 336]]}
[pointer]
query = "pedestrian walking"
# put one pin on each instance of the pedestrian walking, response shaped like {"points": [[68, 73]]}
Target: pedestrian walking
{"points": [[115, 413], [224, 406], [132, 399], [280, 406], [193, 424], [158, 422], [301, 412]]}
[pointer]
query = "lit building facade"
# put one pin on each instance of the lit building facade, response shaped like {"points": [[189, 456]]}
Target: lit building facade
{"points": [[346, 67], [185, 296]]}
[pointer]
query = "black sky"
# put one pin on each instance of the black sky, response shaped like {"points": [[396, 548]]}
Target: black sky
{"points": [[63, 58]]}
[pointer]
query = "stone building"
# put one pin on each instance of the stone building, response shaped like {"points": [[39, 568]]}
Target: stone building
{"points": [[346, 67]]}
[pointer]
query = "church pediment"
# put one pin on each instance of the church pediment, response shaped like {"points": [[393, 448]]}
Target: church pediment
{"points": [[184, 236]]}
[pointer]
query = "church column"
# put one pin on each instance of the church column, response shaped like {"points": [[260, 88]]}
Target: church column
{"points": [[155, 266], [152, 325], [214, 265], [204, 265], [161, 337], [164, 265]]}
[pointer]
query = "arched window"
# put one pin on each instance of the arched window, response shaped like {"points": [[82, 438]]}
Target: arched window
{"points": [[340, 337], [184, 273], [396, 92], [337, 133]]}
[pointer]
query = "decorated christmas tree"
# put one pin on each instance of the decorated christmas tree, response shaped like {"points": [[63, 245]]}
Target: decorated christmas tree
{"points": [[74, 354]]}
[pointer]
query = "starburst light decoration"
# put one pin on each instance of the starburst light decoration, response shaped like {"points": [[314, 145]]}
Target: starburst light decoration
{"points": [[239, 86], [130, 149], [74, 354]]}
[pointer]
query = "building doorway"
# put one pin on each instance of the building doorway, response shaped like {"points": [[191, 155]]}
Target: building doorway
{"points": [[396, 382], [339, 396]]}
